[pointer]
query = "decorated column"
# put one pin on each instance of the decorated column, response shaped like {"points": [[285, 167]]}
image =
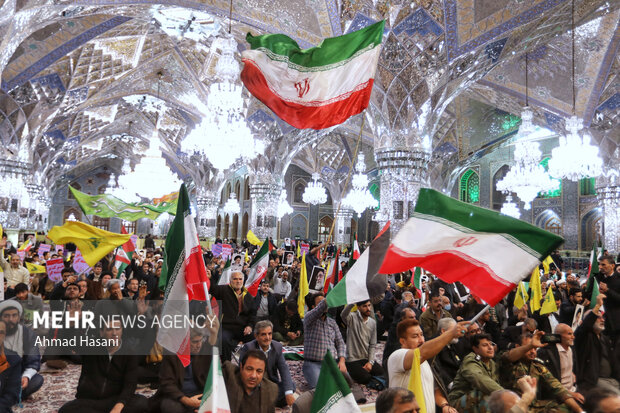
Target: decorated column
{"points": [[403, 171], [608, 193], [342, 227], [14, 197], [265, 195], [207, 203]]}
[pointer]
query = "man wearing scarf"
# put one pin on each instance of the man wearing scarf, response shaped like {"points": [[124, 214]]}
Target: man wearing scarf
{"points": [[10, 374]]}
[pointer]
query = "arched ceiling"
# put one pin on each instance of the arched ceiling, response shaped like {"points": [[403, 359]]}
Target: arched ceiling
{"points": [[74, 76]]}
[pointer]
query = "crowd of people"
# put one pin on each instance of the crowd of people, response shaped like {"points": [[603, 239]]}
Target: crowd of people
{"points": [[509, 359]]}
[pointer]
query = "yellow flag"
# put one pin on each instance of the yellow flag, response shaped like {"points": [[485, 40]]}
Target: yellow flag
{"points": [[536, 290], [303, 287], [549, 304], [521, 296], [1, 231], [546, 263], [298, 249], [35, 269], [415, 381], [94, 243], [246, 259], [253, 239]]}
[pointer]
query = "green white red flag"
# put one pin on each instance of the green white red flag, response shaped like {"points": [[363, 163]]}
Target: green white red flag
{"points": [[226, 271], [183, 278], [214, 396], [486, 251], [334, 273], [258, 268], [314, 88], [123, 255], [356, 249], [332, 394]]}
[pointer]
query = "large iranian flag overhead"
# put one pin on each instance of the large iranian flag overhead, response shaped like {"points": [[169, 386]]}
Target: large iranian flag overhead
{"points": [[314, 88], [485, 250]]}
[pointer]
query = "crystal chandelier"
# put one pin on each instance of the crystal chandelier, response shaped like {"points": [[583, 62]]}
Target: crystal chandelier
{"points": [[223, 136], [360, 198], [231, 207], [527, 177], [151, 178], [575, 157], [315, 191], [510, 208], [283, 205]]}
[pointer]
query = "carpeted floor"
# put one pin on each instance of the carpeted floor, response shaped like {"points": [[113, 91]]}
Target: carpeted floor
{"points": [[59, 387]]}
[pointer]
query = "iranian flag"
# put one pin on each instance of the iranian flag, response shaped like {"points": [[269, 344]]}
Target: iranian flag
{"points": [[226, 271], [356, 249], [486, 251], [314, 88], [258, 268], [214, 396], [123, 255], [332, 394], [363, 280], [183, 278]]}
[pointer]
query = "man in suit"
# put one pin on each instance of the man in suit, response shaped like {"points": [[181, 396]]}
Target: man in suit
{"points": [[277, 370], [248, 389], [560, 359]]}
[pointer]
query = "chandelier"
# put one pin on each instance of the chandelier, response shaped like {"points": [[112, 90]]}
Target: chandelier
{"points": [[575, 157], [527, 177], [151, 177], [231, 207], [360, 198], [223, 136], [283, 205], [510, 208], [315, 191]]}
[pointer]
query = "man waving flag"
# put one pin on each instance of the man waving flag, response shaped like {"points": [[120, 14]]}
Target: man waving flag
{"points": [[314, 88]]}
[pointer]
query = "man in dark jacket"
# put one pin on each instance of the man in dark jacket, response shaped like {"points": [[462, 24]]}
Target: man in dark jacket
{"points": [[596, 368], [108, 380], [609, 284], [22, 340], [288, 326], [277, 370], [567, 310], [247, 388], [265, 302], [237, 308], [180, 388], [10, 374]]}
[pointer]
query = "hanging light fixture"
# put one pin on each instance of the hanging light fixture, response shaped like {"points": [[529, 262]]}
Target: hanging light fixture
{"points": [[283, 205], [315, 191], [231, 207], [510, 208], [527, 177], [575, 157], [360, 198], [223, 136]]}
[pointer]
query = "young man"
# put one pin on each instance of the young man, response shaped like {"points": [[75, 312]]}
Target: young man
{"points": [[265, 302], [288, 326], [413, 346], [248, 389], [277, 369], [361, 342], [477, 378]]}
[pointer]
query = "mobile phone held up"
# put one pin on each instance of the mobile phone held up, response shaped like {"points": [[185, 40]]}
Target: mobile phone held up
{"points": [[551, 339]]}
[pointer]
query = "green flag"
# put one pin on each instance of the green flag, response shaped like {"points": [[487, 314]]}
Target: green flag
{"points": [[107, 206], [332, 393], [595, 293]]}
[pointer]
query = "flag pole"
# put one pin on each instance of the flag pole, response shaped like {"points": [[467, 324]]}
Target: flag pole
{"points": [[477, 316], [344, 188]]}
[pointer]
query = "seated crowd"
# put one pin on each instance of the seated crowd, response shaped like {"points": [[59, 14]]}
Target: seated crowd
{"points": [[507, 360]]}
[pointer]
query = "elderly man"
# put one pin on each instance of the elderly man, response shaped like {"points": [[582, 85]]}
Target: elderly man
{"points": [[281, 286], [238, 313], [506, 401], [561, 360], [22, 340], [448, 361], [248, 390], [596, 368], [521, 361], [14, 272], [432, 315], [396, 400], [277, 369]]}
